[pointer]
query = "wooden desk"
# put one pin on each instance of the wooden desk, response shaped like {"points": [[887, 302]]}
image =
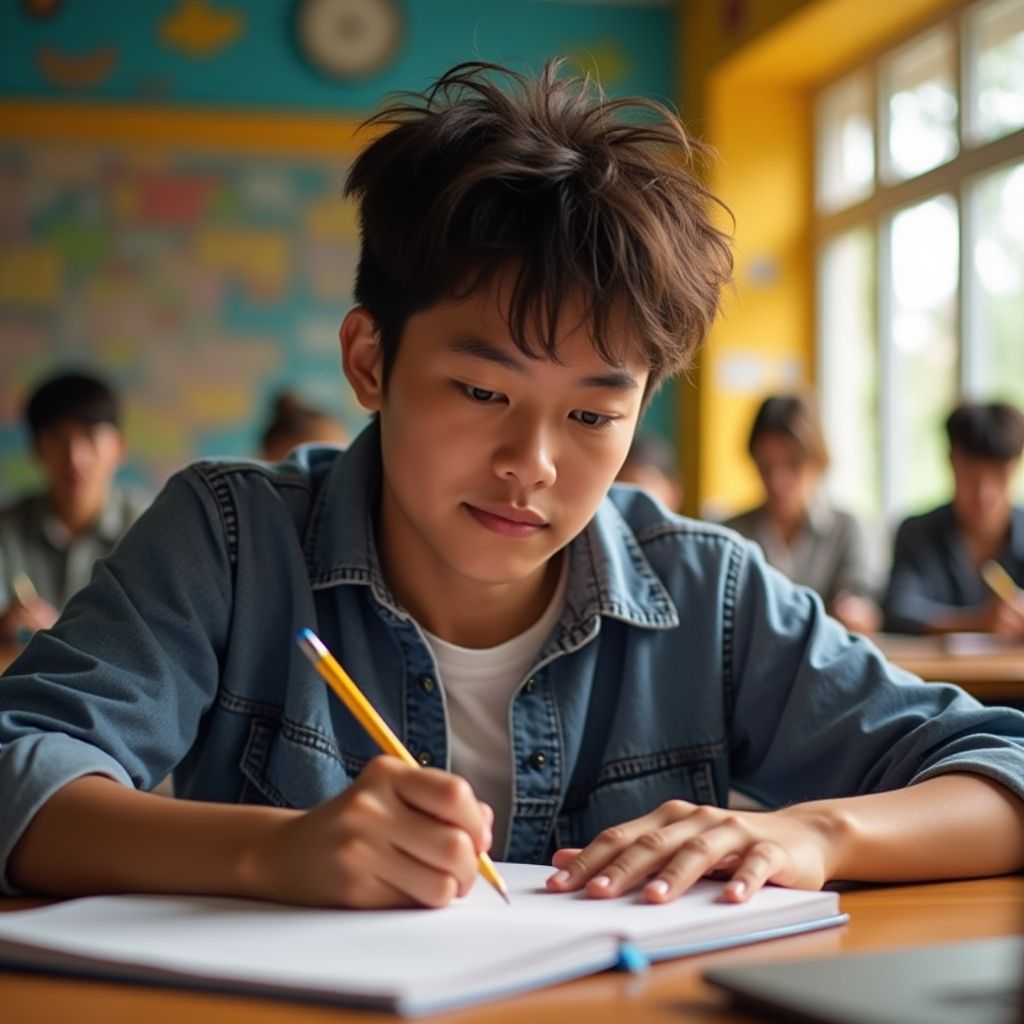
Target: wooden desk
{"points": [[993, 671], [671, 993], [8, 652]]}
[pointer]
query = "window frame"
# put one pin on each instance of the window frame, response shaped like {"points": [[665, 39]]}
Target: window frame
{"points": [[956, 178]]}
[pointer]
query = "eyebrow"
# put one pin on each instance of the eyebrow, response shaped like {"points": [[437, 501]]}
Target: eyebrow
{"points": [[616, 379]]}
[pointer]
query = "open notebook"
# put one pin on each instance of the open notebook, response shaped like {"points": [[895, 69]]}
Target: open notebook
{"points": [[409, 961]]}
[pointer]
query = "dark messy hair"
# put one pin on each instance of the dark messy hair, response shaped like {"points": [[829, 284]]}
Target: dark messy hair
{"points": [[549, 178], [78, 397], [987, 431], [796, 417]]}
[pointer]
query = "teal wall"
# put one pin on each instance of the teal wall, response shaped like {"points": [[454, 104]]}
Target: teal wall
{"points": [[257, 64], [198, 352]]}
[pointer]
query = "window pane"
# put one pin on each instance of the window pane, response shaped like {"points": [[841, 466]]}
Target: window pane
{"points": [[849, 372], [846, 147], [996, 41], [919, 90], [997, 262], [922, 356]]}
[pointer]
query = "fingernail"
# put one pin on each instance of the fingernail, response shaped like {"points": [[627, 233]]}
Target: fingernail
{"points": [[659, 887], [559, 878], [736, 888], [601, 882]]}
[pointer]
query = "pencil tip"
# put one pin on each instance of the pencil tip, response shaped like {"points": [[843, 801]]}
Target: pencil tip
{"points": [[504, 896]]}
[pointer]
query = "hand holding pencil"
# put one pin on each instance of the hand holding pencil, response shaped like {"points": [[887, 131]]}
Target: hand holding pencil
{"points": [[367, 716], [1008, 615]]}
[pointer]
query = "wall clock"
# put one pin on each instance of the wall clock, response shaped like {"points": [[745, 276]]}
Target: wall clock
{"points": [[345, 39]]}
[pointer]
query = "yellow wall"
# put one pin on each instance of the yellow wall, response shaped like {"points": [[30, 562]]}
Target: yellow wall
{"points": [[749, 92]]}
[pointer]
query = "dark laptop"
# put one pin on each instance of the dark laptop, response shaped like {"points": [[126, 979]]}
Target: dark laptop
{"points": [[977, 982]]}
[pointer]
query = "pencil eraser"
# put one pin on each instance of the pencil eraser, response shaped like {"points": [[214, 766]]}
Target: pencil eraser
{"points": [[632, 959]]}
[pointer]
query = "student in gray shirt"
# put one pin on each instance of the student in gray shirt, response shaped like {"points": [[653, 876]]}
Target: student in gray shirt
{"points": [[50, 540], [809, 541]]}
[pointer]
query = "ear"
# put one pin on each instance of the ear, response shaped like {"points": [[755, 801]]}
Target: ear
{"points": [[362, 358]]}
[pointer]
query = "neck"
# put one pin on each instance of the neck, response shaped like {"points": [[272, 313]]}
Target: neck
{"points": [[986, 541], [788, 524], [75, 516], [474, 614]]}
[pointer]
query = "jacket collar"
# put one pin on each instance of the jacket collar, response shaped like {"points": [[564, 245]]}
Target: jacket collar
{"points": [[608, 573]]}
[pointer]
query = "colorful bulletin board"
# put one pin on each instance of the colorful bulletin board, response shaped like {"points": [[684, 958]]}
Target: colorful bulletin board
{"points": [[200, 276]]}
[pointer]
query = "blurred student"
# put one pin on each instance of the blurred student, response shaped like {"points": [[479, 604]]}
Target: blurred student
{"points": [[651, 464], [49, 540], [293, 423], [936, 584], [801, 535]]}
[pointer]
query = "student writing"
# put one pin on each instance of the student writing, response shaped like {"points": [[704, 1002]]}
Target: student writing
{"points": [[936, 584], [595, 670]]}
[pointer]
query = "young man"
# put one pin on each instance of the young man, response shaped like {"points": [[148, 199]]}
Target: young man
{"points": [[595, 672], [936, 584], [53, 538]]}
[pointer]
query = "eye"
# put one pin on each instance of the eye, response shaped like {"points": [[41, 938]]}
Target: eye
{"points": [[483, 395], [591, 419]]}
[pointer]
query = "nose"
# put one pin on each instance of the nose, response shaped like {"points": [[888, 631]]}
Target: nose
{"points": [[80, 453], [525, 454]]}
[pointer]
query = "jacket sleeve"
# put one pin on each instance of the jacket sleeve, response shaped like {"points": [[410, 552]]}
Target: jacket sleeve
{"points": [[119, 685], [817, 712]]}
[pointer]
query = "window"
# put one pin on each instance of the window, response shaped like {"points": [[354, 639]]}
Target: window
{"points": [[919, 197]]}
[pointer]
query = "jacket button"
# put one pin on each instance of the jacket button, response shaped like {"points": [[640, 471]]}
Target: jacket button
{"points": [[425, 758], [538, 759], [531, 685], [427, 684]]}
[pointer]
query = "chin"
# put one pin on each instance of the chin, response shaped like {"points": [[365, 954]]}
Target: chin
{"points": [[498, 571]]}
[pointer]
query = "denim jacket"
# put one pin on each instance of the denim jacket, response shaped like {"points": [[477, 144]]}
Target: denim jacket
{"points": [[682, 665]]}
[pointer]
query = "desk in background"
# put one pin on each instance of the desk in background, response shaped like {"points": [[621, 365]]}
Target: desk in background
{"points": [[989, 668], [670, 993]]}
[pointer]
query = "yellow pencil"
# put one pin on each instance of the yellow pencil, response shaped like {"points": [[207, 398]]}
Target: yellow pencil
{"points": [[341, 683], [23, 589], [1001, 583]]}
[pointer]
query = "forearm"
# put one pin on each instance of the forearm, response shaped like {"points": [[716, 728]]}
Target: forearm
{"points": [[97, 836], [954, 826]]}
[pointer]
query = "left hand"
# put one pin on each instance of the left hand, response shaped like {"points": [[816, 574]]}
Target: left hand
{"points": [[669, 849]]}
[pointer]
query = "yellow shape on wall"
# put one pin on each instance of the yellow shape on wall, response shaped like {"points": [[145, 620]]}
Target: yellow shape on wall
{"points": [[606, 61], [260, 258], [199, 30], [29, 276]]}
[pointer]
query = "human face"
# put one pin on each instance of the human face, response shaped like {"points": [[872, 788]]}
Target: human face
{"points": [[788, 476], [80, 461], [981, 492], [492, 461]]}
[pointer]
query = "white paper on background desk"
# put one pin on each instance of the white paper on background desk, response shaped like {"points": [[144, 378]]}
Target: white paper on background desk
{"points": [[412, 961]]}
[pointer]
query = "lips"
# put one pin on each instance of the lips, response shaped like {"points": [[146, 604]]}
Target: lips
{"points": [[507, 521]]}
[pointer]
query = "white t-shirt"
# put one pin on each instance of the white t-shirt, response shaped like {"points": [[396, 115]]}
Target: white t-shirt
{"points": [[479, 684]]}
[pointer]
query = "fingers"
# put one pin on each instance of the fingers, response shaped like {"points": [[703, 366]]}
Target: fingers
{"points": [[672, 857], [667, 851], [578, 867], [446, 797], [43, 614], [423, 816], [386, 878]]}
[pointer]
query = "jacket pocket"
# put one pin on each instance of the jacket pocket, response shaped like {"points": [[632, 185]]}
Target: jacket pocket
{"points": [[630, 788], [289, 765]]}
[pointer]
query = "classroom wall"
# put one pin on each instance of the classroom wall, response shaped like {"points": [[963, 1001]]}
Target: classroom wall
{"points": [[169, 195]]}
